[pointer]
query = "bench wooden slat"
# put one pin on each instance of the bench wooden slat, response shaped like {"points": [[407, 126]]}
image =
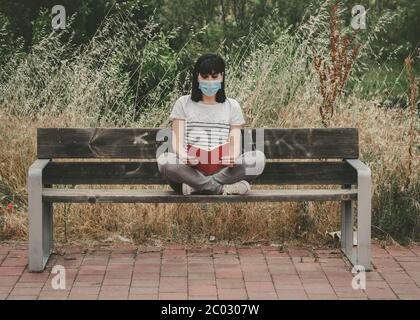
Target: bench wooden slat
{"points": [[276, 173], [164, 196], [141, 143]]}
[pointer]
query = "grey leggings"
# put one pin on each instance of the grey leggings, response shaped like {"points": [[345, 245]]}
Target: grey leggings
{"points": [[247, 167]]}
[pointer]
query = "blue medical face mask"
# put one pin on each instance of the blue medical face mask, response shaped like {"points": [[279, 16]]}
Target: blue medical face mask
{"points": [[209, 87]]}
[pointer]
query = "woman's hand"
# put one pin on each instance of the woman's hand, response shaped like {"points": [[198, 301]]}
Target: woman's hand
{"points": [[192, 160], [229, 161], [187, 159]]}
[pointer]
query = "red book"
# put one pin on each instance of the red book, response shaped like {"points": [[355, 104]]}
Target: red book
{"points": [[209, 160]]}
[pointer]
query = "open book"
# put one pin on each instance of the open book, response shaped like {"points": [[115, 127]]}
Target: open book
{"points": [[209, 160]]}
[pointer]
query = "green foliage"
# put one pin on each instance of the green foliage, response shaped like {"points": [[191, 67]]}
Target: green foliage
{"points": [[9, 46], [387, 83], [396, 211], [123, 63]]}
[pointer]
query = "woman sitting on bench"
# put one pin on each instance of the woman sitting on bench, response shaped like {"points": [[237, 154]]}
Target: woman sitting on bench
{"points": [[208, 120]]}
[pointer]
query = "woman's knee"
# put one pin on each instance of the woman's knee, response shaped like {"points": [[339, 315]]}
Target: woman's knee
{"points": [[254, 162], [165, 159]]}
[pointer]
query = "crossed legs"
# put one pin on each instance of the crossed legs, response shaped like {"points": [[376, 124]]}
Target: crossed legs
{"points": [[248, 166]]}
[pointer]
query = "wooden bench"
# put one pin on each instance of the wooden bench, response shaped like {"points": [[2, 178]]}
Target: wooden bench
{"points": [[327, 156]]}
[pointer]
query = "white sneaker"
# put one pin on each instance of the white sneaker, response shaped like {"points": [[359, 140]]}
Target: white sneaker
{"points": [[241, 187], [187, 190]]}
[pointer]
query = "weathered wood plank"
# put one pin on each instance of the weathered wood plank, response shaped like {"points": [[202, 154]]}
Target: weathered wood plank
{"points": [[281, 173], [309, 143], [97, 143], [142, 143], [301, 173], [163, 196]]}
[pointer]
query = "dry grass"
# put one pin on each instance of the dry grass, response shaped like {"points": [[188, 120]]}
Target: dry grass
{"points": [[334, 74], [242, 223], [412, 133], [276, 86]]}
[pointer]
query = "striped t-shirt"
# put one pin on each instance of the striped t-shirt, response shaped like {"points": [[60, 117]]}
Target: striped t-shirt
{"points": [[207, 126]]}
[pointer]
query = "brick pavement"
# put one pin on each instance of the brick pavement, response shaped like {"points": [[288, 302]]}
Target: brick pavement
{"points": [[214, 272]]}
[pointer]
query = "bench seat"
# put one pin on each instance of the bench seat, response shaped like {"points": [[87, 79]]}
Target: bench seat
{"points": [[74, 164], [167, 196]]}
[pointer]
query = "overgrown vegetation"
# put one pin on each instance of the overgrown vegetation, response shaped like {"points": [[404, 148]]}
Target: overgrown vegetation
{"points": [[131, 67], [333, 74]]}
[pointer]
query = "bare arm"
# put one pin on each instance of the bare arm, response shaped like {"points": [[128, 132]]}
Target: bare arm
{"points": [[235, 141], [178, 128], [234, 145]]}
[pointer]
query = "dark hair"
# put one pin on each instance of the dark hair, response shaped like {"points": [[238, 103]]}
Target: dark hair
{"points": [[208, 63]]}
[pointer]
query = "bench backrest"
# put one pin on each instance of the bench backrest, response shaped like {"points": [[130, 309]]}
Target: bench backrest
{"points": [[142, 143]]}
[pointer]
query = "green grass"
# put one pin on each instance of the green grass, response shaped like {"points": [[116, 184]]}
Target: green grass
{"points": [[385, 81], [396, 211], [276, 85]]}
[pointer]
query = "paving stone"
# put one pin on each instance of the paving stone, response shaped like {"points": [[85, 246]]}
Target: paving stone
{"points": [[183, 272]]}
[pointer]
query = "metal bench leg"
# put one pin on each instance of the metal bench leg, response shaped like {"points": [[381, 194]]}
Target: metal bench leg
{"points": [[364, 204], [48, 227], [362, 256], [40, 219], [347, 225]]}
